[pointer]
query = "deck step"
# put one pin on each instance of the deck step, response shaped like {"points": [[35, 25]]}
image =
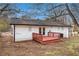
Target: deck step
{"points": [[51, 41]]}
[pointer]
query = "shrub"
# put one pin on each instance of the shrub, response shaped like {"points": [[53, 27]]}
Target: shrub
{"points": [[4, 25]]}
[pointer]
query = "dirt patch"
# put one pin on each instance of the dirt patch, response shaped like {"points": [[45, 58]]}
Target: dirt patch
{"points": [[33, 48]]}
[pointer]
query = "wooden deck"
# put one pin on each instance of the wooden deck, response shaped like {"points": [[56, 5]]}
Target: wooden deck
{"points": [[52, 37]]}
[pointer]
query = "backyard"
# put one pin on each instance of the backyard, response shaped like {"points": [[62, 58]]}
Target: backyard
{"points": [[67, 47]]}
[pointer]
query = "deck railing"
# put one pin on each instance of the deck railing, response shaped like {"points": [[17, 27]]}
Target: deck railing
{"points": [[54, 34], [42, 38]]}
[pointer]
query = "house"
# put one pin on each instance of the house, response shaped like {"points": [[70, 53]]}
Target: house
{"points": [[22, 29]]}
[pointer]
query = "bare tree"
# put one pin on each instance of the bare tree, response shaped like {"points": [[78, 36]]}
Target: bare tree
{"points": [[71, 14], [7, 9]]}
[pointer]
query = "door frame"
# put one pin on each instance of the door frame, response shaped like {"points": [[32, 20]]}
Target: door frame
{"points": [[42, 30]]}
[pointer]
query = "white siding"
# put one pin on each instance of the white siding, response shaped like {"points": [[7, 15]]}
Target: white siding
{"points": [[24, 32], [63, 30]]}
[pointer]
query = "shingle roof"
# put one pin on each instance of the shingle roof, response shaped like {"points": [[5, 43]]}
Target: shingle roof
{"points": [[38, 23]]}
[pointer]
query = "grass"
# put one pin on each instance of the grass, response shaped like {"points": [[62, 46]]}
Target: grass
{"points": [[69, 47]]}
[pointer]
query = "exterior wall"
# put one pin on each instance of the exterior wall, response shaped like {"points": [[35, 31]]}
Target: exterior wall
{"points": [[64, 30], [70, 31], [24, 32]]}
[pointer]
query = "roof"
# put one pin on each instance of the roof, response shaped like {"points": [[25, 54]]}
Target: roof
{"points": [[38, 23]]}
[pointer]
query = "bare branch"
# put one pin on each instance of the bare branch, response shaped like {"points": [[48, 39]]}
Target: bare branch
{"points": [[71, 14], [6, 5]]}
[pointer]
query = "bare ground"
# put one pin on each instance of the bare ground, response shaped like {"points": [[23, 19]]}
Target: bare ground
{"points": [[33, 48]]}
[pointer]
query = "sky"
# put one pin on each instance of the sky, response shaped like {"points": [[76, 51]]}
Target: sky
{"points": [[23, 6], [28, 7]]}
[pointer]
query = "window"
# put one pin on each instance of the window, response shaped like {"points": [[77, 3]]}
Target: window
{"points": [[40, 30], [43, 31]]}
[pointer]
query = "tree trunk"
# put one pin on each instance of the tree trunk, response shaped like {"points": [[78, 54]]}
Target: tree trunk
{"points": [[75, 23]]}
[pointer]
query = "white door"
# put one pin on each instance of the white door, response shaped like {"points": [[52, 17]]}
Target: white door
{"points": [[22, 33]]}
